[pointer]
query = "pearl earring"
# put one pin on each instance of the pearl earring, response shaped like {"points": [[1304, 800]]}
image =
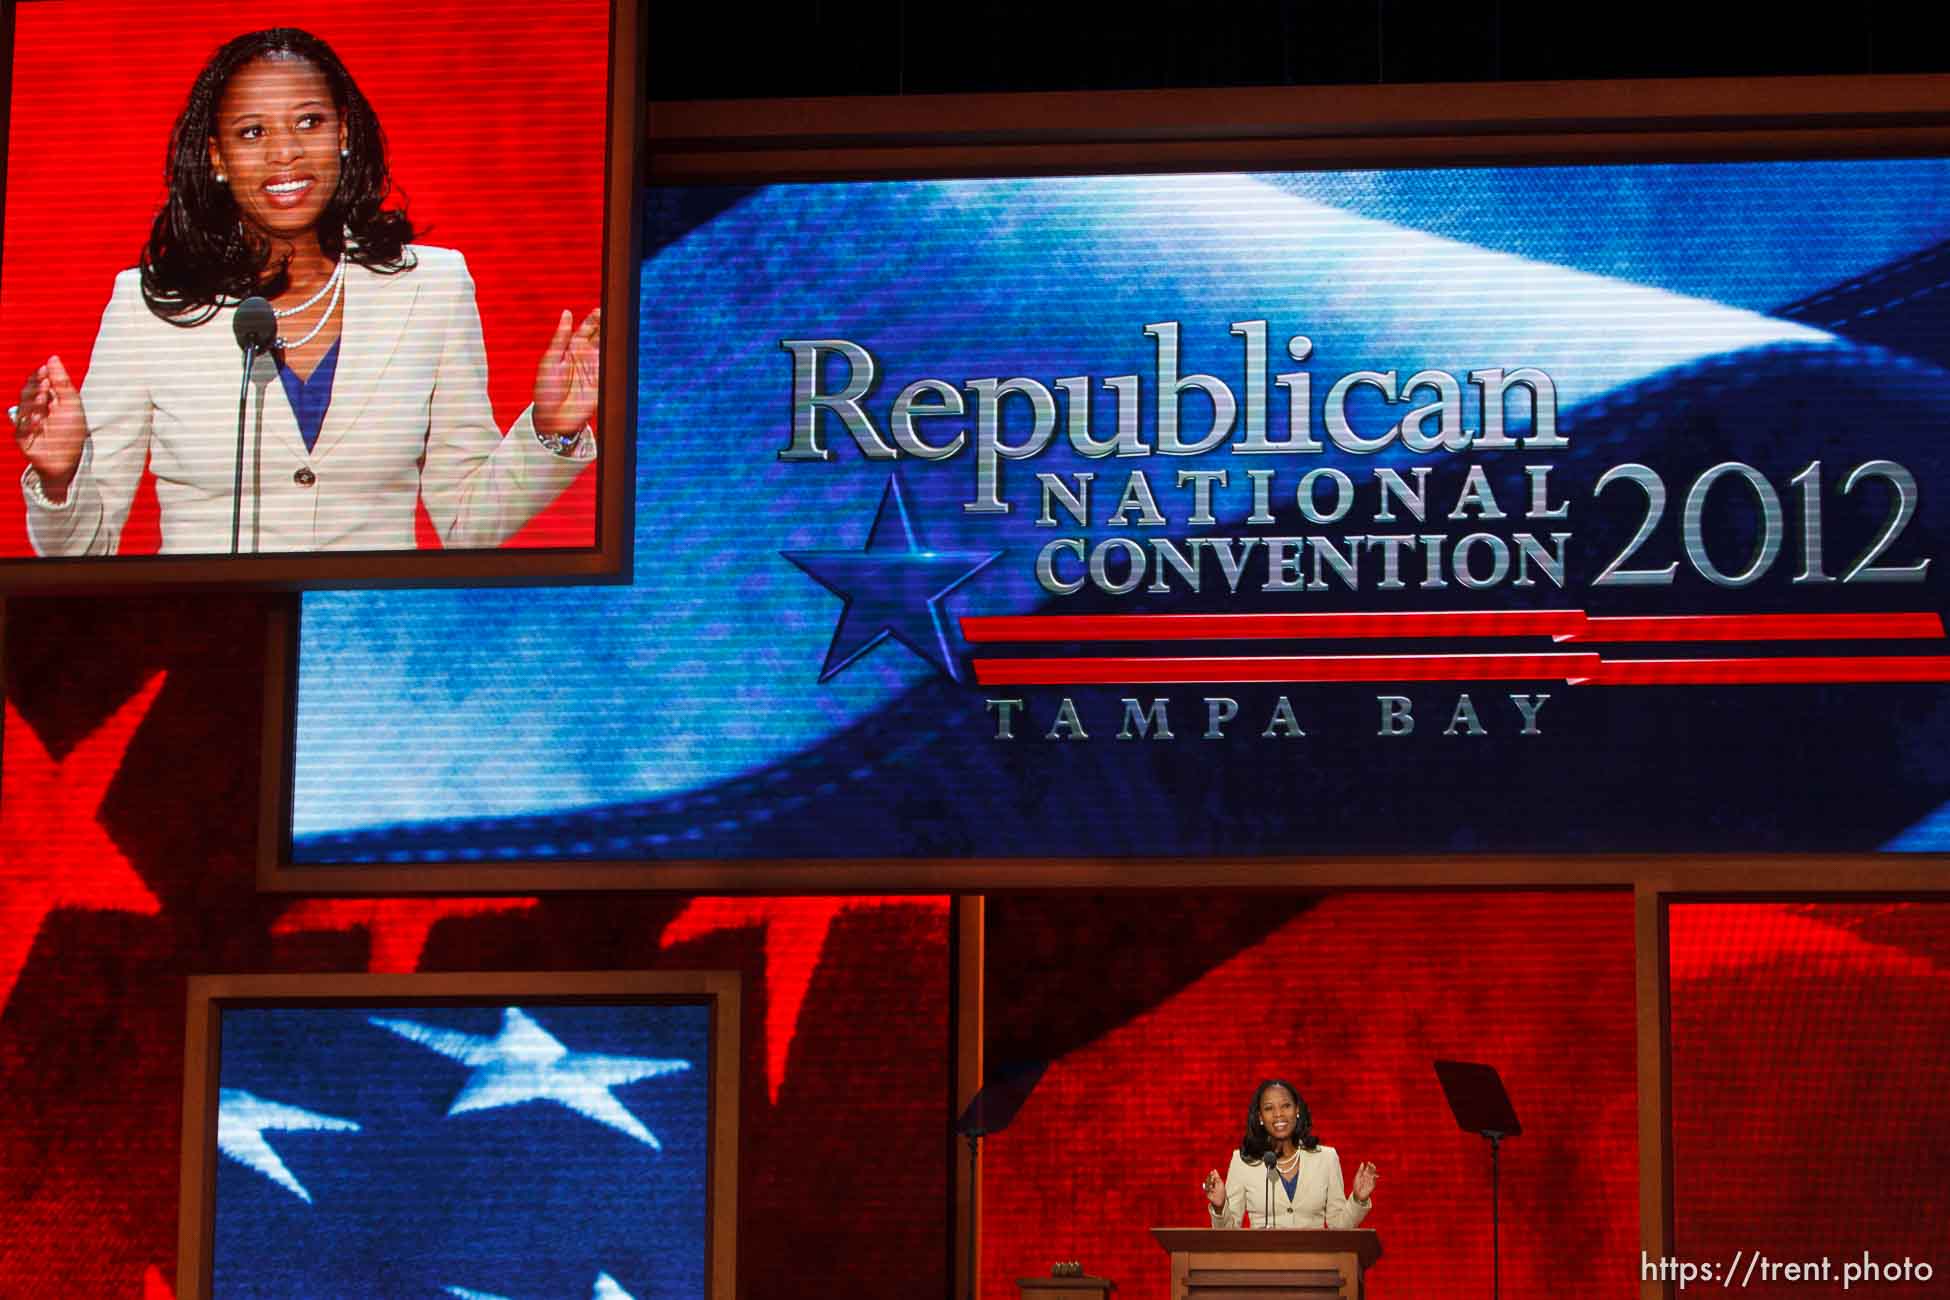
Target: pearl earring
{"points": [[222, 179], [345, 153]]}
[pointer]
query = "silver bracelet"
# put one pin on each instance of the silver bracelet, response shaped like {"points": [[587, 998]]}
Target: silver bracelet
{"points": [[580, 445], [30, 483]]}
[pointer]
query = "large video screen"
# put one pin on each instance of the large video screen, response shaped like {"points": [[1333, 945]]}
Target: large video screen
{"points": [[1522, 509], [319, 280], [465, 1151], [1791, 1019], [1164, 1034], [480, 1135]]}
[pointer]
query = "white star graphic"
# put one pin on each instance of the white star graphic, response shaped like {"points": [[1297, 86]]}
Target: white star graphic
{"points": [[606, 1289], [243, 1117], [524, 1062]]}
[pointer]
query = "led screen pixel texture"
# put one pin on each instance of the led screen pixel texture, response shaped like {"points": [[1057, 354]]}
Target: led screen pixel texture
{"points": [[1157, 1043], [515, 1151], [815, 656], [128, 839], [1809, 1090], [494, 116]]}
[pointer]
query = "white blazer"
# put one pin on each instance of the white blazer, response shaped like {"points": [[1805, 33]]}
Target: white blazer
{"points": [[1319, 1198], [409, 419]]}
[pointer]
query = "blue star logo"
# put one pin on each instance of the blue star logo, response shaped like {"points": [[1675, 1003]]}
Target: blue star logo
{"points": [[893, 587]]}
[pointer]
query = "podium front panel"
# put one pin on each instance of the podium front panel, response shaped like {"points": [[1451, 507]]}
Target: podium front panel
{"points": [[1265, 1275]]}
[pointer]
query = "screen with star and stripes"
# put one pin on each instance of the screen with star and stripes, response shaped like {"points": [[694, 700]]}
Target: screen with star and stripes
{"points": [[517, 1152], [1521, 509]]}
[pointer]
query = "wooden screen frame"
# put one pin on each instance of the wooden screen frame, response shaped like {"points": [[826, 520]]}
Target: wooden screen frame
{"points": [[209, 995], [1432, 125], [605, 559]]}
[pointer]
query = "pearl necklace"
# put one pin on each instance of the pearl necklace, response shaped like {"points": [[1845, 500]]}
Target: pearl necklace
{"points": [[331, 282], [1289, 1165], [337, 287]]}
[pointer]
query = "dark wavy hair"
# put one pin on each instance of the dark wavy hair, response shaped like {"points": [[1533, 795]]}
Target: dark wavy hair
{"points": [[199, 255], [1258, 1142]]}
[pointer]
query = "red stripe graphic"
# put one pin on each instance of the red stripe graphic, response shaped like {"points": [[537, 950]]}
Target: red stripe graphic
{"points": [[1763, 627], [1287, 668], [1574, 668], [1560, 625], [1297, 627], [1760, 672]]}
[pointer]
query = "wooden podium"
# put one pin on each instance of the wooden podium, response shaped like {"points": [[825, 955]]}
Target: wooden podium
{"points": [[1276, 1264]]}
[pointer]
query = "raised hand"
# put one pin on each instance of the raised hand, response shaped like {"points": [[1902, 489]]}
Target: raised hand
{"points": [[1215, 1192], [1364, 1179], [51, 427], [565, 381]]}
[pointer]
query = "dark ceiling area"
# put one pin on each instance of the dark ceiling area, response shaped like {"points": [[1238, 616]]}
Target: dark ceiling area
{"points": [[920, 47]]}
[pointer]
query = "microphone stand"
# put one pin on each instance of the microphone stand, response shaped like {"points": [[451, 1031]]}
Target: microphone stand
{"points": [[1481, 1106], [974, 1183], [237, 483], [1496, 1262], [990, 1110], [255, 324]]}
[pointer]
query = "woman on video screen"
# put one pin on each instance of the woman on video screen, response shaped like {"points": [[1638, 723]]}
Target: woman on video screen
{"points": [[375, 393]]}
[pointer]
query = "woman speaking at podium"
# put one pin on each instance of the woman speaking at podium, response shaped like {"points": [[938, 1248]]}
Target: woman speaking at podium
{"points": [[1280, 1153], [277, 181]]}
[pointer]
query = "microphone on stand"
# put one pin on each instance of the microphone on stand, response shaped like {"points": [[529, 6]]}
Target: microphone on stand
{"points": [[256, 326], [1267, 1160]]}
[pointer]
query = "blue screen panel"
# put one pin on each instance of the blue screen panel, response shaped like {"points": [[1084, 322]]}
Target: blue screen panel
{"points": [[1518, 509], [524, 1152]]}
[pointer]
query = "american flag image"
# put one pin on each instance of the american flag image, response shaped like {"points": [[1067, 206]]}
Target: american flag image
{"points": [[487, 1152], [1721, 533]]}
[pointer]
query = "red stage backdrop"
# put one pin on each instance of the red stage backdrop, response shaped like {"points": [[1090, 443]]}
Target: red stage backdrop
{"points": [[126, 824], [1161, 1021], [495, 117], [1810, 1098]]}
